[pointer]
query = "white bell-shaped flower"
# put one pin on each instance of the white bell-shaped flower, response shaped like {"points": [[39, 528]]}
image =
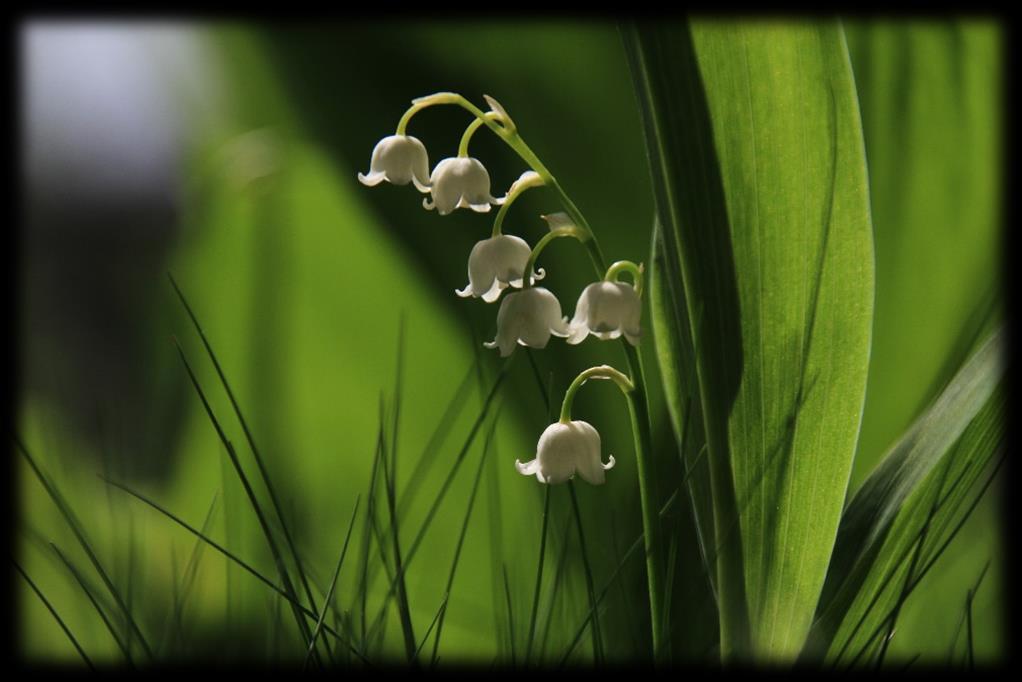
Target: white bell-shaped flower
{"points": [[460, 182], [528, 317], [607, 310], [496, 263], [398, 159], [565, 449]]}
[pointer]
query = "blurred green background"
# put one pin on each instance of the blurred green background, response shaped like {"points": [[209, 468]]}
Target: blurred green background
{"points": [[301, 277]]}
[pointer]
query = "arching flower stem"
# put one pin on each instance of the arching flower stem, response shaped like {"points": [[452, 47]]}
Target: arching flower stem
{"points": [[527, 181], [599, 372], [572, 231], [514, 140], [417, 105], [628, 266], [637, 404], [471, 130]]}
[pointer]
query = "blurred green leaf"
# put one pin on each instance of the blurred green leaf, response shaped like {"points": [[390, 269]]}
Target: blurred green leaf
{"points": [[759, 173], [300, 287], [940, 458], [930, 94]]}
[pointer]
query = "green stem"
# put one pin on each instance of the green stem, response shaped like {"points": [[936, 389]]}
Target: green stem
{"points": [[498, 222], [513, 140], [542, 244], [592, 246], [637, 398], [600, 372], [407, 116], [590, 590], [528, 180], [469, 132], [638, 410], [652, 533], [634, 391], [626, 266]]}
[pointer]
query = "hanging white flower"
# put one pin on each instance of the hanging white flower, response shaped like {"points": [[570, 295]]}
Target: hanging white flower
{"points": [[398, 159], [528, 317], [496, 263], [460, 182], [564, 449], [607, 310]]}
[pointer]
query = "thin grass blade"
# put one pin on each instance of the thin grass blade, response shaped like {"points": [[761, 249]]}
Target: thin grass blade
{"points": [[402, 593], [237, 561], [427, 457], [590, 591], [633, 549], [56, 616], [461, 535], [251, 442], [539, 575], [333, 584], [192, 569], [79, 533], [893, 570], [278, 559], [964, 429], [510, 614], [445, 486], [439, 614], [555, 590], [92, 600]]}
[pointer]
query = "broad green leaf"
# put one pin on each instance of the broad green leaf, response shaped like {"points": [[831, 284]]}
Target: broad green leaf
{"points": [[943, 455], [759, 173]]}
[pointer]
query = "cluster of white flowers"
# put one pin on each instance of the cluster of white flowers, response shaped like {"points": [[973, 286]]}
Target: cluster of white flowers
{"points": [[529, 315]]}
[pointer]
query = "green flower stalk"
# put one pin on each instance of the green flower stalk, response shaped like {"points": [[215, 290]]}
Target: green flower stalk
{"points": [[607, 309]]}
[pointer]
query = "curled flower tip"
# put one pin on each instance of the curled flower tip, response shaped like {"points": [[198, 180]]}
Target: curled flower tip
{"points": [[566, 449], [398, 159], [528, 317], [529, 468], [496, 263], [607, 310], [460, 182]]}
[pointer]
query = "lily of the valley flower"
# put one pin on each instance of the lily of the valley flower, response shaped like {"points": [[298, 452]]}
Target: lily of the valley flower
{"points": [[569, 447], [565, 449], [607, 310], [528, 317], [398, 159], [460, 182], [495, 264]]}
